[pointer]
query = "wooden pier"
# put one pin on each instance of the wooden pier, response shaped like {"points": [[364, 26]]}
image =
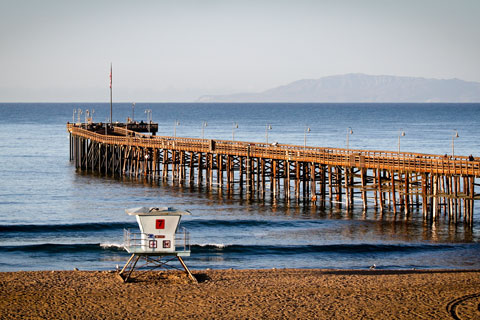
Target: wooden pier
{"points": [[388, 181]]}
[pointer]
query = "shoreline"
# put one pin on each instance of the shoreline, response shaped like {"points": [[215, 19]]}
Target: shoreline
{"points": [[242, 294]]}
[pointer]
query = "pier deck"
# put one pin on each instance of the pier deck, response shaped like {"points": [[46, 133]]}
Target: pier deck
{"points": [[395, 181]]}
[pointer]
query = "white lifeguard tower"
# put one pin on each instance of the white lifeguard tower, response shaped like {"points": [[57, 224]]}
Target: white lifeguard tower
{"points": [[159, 238]]}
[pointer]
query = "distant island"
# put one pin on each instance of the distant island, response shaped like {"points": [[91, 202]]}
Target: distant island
{"points": [[357, 87]]}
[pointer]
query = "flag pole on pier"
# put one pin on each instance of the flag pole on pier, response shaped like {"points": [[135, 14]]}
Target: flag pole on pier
{"points": [[110, 93]]}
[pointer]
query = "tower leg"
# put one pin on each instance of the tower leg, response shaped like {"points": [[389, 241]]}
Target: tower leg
{"points": [[125, 278], [125, 266], [187, 270]]}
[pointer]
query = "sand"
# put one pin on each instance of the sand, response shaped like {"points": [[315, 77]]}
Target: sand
{"points": [[242, 294]]}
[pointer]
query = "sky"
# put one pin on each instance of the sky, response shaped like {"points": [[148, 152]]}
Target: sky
{"points": [[177, 51]]}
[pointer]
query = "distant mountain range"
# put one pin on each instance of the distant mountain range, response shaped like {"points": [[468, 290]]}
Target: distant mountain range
{"points": [[361, 88]]}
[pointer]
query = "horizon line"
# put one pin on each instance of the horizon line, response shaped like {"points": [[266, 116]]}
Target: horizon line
{"points": [[243, 102]]}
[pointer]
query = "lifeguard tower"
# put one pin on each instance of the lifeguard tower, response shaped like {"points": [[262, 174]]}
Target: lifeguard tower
{"points": [[158, 242]]}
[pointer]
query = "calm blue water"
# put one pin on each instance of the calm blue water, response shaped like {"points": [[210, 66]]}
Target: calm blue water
{"points": [[52, 217]]}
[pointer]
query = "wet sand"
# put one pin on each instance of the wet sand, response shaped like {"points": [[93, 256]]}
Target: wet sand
{"points": [[242, 294]]}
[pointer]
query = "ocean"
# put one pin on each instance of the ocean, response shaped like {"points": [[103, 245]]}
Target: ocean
{"points": [[55, 218]]}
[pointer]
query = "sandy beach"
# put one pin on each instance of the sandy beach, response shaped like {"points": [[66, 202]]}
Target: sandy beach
{"points": [[242, 294]]}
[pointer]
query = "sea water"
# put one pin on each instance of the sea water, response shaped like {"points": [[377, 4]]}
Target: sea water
{"points": [[53, 217]]}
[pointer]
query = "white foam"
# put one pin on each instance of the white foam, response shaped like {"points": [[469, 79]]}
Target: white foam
{"points": [[218, 245], [112, 245]]}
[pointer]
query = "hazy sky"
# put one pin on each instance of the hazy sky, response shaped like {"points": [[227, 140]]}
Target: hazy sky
{"points": [[180, 50]]}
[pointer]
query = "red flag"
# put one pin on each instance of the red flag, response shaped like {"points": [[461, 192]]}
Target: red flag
{"points": [[110, 76]]}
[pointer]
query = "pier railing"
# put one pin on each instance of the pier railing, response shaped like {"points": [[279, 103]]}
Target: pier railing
{"points": [[369, 159]]}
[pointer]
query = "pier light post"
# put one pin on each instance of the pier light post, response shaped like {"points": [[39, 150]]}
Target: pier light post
{"points": [[87, 115], [204, 125], [349, 132], [93, 112], [402, 134], [453, 143], [79, 114], [148, 112], [267, 127], [177, 123], [235, 126], [307, 129], [74, 113], [133, 112]]}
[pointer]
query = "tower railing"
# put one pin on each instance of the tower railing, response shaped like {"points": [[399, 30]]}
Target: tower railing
{"points": [[135, 241]]}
